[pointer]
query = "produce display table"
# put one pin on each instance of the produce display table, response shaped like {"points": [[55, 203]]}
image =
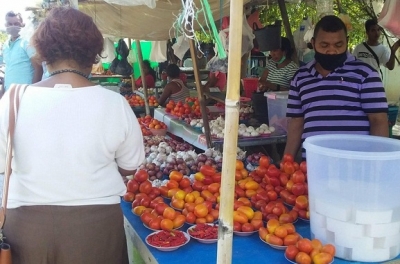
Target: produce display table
{"points": [[190, 70], [197, 138], [245, 249]]}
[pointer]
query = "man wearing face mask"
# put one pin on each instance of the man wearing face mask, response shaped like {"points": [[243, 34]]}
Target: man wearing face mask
{"points": [[21, 67], [335, 93]]}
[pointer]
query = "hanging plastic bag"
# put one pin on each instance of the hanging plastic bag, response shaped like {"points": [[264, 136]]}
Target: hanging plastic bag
{"points": [[180, 47], [269, 37], [120, 64], [247, 38], [389, 17], [158, 51]]}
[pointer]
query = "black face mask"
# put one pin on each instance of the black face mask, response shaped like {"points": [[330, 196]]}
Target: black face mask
{"points": [[330, 62]]}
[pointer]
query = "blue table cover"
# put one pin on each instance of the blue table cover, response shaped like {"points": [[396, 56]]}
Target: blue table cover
{"points": [[245, 249]]}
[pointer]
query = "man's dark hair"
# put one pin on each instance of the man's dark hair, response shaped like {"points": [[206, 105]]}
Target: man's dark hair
{"points": [[173, 71], [286, 47], [370, 23], [330, 24], [13, 14]]}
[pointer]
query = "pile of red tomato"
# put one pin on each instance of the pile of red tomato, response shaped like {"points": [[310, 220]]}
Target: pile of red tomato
{"points": [[190, 108]]}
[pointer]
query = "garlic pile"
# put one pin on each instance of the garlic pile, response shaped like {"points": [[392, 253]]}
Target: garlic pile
{"points": [[240, 154], [217, 127], [249, 131], [246, 110], [197, 123]]}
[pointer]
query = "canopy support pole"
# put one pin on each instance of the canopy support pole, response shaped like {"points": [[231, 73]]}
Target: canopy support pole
{"points": [[288, 30], [143, 77], [133, 85], [200, 93], [225, 229]]}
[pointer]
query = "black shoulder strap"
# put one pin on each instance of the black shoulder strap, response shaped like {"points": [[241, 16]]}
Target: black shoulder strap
{"points": [[373, 54]]}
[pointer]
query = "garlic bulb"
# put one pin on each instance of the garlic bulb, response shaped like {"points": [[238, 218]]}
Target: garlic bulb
{"points": [[250, 129], [193, 122], [255, 134], [272, 129], [246, 134]]}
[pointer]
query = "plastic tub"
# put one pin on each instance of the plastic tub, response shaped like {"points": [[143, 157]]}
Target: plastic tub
{"points": [[353, 184], [250, 86], [277, 106]]}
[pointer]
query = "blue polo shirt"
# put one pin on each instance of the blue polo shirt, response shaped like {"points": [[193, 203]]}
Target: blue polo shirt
{"points": [[17, 57]]}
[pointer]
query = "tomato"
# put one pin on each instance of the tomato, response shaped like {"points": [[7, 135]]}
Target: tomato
{"points": [[141, 176], [167, 224], [169, 213], [178, 203], [288, 157], [322, 258], [272, 171], [264, 161], [247, 227], [145, 202], [316, 244], [240, 217], [180, 194], [237, 226], [164, 191], [132, 186], [138, 210], [280, 231], [200, 210], [191, 218], [283, 178], [298, 189], [251, 185], [129, 197], [288, 167], [294, 214], [155, 224], [239, 165], [160, 207], [207, 180], [290, 228], [197, 185], [303, 167], [285, 218], [176, 176], [199, 176], [301, 202], [240, 192], [172, 184], [304, 245], [217, 177], [272, 225], [274, 240], [214, 213], [298, 177], [303, 258], [291, 252], [248, 211], [207, 170], [272, 195], [329, 248], [146, 217], [184, 183], [261, 171], [179, 221]]}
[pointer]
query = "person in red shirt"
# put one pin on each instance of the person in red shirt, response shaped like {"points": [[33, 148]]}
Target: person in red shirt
{"points": [[150, 76]]}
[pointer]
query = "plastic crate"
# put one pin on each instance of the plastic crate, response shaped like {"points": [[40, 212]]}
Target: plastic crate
{"points": [[249, 86]]}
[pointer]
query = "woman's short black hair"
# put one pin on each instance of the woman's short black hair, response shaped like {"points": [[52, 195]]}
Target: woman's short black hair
{"points": [[286, 47], [173, 71], [330, 24]]}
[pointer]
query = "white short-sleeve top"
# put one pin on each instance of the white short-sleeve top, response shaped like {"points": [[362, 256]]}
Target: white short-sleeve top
{"points": [[69, 143]]}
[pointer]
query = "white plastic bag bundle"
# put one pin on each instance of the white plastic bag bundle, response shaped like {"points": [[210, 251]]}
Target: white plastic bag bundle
{"points": [[158, 51], [389, 17], [180, 47], [150, 3], [247, 38]]}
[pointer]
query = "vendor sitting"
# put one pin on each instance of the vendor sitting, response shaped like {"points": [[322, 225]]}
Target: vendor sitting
{"points": [[175, 90], [218, 69], [150, 76], [279, 69]]}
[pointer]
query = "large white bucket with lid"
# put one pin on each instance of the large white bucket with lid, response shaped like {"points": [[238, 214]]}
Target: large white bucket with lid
{"points": [[354, 194]]}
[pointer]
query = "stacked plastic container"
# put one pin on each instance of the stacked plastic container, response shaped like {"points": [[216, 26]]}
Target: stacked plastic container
{"points": [[277, 106], [354, 195]]}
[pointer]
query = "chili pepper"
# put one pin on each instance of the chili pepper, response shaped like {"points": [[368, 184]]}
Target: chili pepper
{"points": [[204, 231], [167, 239]]}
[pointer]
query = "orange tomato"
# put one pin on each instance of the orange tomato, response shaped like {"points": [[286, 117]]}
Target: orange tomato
{"points": [[301, 202], [239, 165], [272, 224], [290, 240], [172, 184], [245, 201], [322, 258], [303, 258], [214, 187], [167, 224], [240, 217], [251, 185], [200, 210], [248, 211], [138, 210], [281, 232], [316, 244], [329, 248], [184, 183], [191, 218], [155, 224], [274, 240], [169, 213], [304, 245], [176, 176], [179, 221]]}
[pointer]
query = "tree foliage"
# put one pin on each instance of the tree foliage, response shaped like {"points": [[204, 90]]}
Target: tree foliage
{"points": [[358, 10], [3, 37]]}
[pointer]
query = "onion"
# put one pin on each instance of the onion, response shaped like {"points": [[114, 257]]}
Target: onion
{"points": [[193, 168], [180, 161], [151, 172], [165, 171], [159, 175], [202, 158], [175, 167], [200, 163], [142, 167], [183, 172], [209, 163], [181, 166], [150, 166], [152, 178], [157, 168], [170, 166], [187, 171]]}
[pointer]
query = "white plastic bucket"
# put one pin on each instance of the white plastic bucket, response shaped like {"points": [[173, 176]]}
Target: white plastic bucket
{"points": [[354, 194]]}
